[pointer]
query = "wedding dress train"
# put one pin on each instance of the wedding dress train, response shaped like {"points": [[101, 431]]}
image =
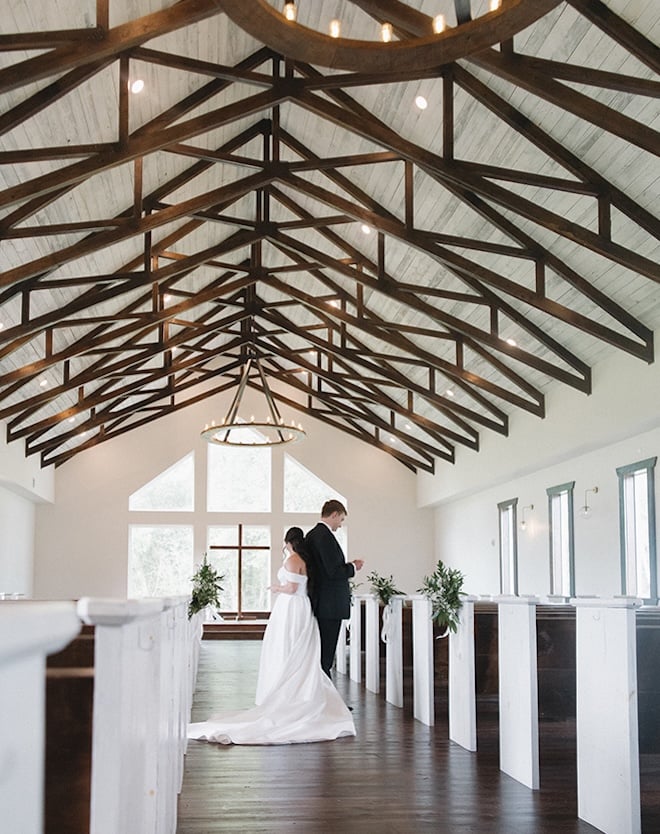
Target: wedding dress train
{"points": [[296, 701]]}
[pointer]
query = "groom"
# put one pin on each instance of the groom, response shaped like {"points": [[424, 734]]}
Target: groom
{"points": [[330, 591]]}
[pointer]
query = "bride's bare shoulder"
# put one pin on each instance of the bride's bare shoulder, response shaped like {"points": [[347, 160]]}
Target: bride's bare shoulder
{"points": [[295, 564]]}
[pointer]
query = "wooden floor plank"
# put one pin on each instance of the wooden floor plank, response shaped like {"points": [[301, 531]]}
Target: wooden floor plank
{"points": [[396, 777]]}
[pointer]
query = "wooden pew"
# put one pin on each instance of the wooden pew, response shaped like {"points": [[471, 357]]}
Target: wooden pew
{"points": [[28, 632], [119, 704]]}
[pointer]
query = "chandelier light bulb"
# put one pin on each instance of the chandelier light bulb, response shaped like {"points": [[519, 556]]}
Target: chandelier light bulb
{"points": [[386, 32], [335, 28], [494, 5], [290, 11], [439, 24]]}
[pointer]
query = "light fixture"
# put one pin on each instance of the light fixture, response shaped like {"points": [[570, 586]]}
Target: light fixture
{"points": [[137, 86], [429, 42], [494, 5], [235, 431], [585, 509], [421, 102], [335, 28], [366, 229], [512, 342], [523, 523]]}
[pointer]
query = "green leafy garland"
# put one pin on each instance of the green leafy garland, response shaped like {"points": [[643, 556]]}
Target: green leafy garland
{"points": [[443, 589], [384, 587], [206, 588]]}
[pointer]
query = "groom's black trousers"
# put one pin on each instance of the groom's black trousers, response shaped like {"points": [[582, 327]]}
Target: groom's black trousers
{"points": [[329, 631]]}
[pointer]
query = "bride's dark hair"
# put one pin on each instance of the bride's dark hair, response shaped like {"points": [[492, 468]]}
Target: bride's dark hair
{"points": [[296, 538]]}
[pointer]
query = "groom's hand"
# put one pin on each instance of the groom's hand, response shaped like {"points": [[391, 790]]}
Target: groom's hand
{"points": [[357, 563]]}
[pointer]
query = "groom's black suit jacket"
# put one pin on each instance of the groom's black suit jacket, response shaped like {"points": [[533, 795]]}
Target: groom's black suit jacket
{"points": [[331, 594]]}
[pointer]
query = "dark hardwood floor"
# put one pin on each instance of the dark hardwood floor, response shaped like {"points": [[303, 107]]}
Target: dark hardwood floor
{"points": [[396, 777]]}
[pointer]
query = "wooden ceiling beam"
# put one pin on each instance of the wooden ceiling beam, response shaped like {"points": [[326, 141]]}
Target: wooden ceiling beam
{"points": [[79, 53]]}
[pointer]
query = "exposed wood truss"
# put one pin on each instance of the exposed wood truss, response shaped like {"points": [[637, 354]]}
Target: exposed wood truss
{"points": [[409, 277]]}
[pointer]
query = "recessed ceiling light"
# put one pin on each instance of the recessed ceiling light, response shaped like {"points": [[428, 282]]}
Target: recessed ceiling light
{"points": [[392, 439], [1, 325], [449, 392], [408, 427], [512, 342], [137, 86], [72, 419], [335, 28], [43, 382], [366, 229], [421, 102], [439, 24]]}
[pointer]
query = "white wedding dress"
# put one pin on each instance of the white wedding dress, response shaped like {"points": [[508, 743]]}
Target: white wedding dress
{"points": [[296, 701]]}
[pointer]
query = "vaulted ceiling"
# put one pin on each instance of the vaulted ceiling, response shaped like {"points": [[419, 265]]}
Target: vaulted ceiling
{"points": [[409, 276]]}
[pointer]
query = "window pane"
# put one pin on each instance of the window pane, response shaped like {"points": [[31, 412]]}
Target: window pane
{"points": [[173, 489], [238, 479], [256, 579], [226, 563], [507, 551], [160, 560], [560, 543], [304, 492]]}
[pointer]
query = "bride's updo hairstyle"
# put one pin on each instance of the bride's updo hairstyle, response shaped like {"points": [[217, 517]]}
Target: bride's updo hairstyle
{"points": [[296, 538]]}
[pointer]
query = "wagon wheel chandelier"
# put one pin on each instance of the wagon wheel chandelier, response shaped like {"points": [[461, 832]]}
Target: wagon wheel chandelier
{"points": [[423, 43], [235, 430]]}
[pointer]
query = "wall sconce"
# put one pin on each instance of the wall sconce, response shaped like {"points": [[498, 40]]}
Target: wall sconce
{"points": [[585, 511], [523, 523]]}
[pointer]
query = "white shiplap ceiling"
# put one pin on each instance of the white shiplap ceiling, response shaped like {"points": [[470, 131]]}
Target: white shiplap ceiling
{"points": [[148, 243]]}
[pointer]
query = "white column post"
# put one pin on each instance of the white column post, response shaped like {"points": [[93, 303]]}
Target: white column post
{"points": [[340, 657], [607, 741], [28, 632], [126, 658], [462, 689], [423, 709], [393, 636], [372, 642], [355, 650], [519, 713]]}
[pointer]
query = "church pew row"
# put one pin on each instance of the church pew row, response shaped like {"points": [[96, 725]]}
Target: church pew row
{"points": [[117, 704], [536, 675]]}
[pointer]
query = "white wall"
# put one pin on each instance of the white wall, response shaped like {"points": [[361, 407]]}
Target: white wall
{"points": [[16, 543], [582, 439], [81, 540], [22, 485]]}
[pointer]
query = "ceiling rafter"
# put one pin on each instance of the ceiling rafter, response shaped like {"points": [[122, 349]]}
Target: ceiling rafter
{"points": [[117, 356]]}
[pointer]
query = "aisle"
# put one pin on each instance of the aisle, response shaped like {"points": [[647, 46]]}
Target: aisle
{"points": [[396, 777]]}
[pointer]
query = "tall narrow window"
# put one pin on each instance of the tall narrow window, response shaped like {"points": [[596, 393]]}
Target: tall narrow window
{"points": [[562, 558], [508, 547], [241, 553], [239, 479], [639, 574]]}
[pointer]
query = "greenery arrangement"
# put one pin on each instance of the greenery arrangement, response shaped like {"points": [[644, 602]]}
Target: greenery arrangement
{"points": [[443, 589], [384, 587], [205, 588]]}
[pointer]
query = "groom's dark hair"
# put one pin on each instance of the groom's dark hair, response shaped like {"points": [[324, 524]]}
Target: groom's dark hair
{"points": [[333, 506]]}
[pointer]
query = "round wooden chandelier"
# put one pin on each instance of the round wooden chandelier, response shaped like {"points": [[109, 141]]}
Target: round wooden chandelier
{"points": [[234, 430], [425, 42]]}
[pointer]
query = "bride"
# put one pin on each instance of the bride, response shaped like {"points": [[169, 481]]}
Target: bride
{"points": [[295, 700]]}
